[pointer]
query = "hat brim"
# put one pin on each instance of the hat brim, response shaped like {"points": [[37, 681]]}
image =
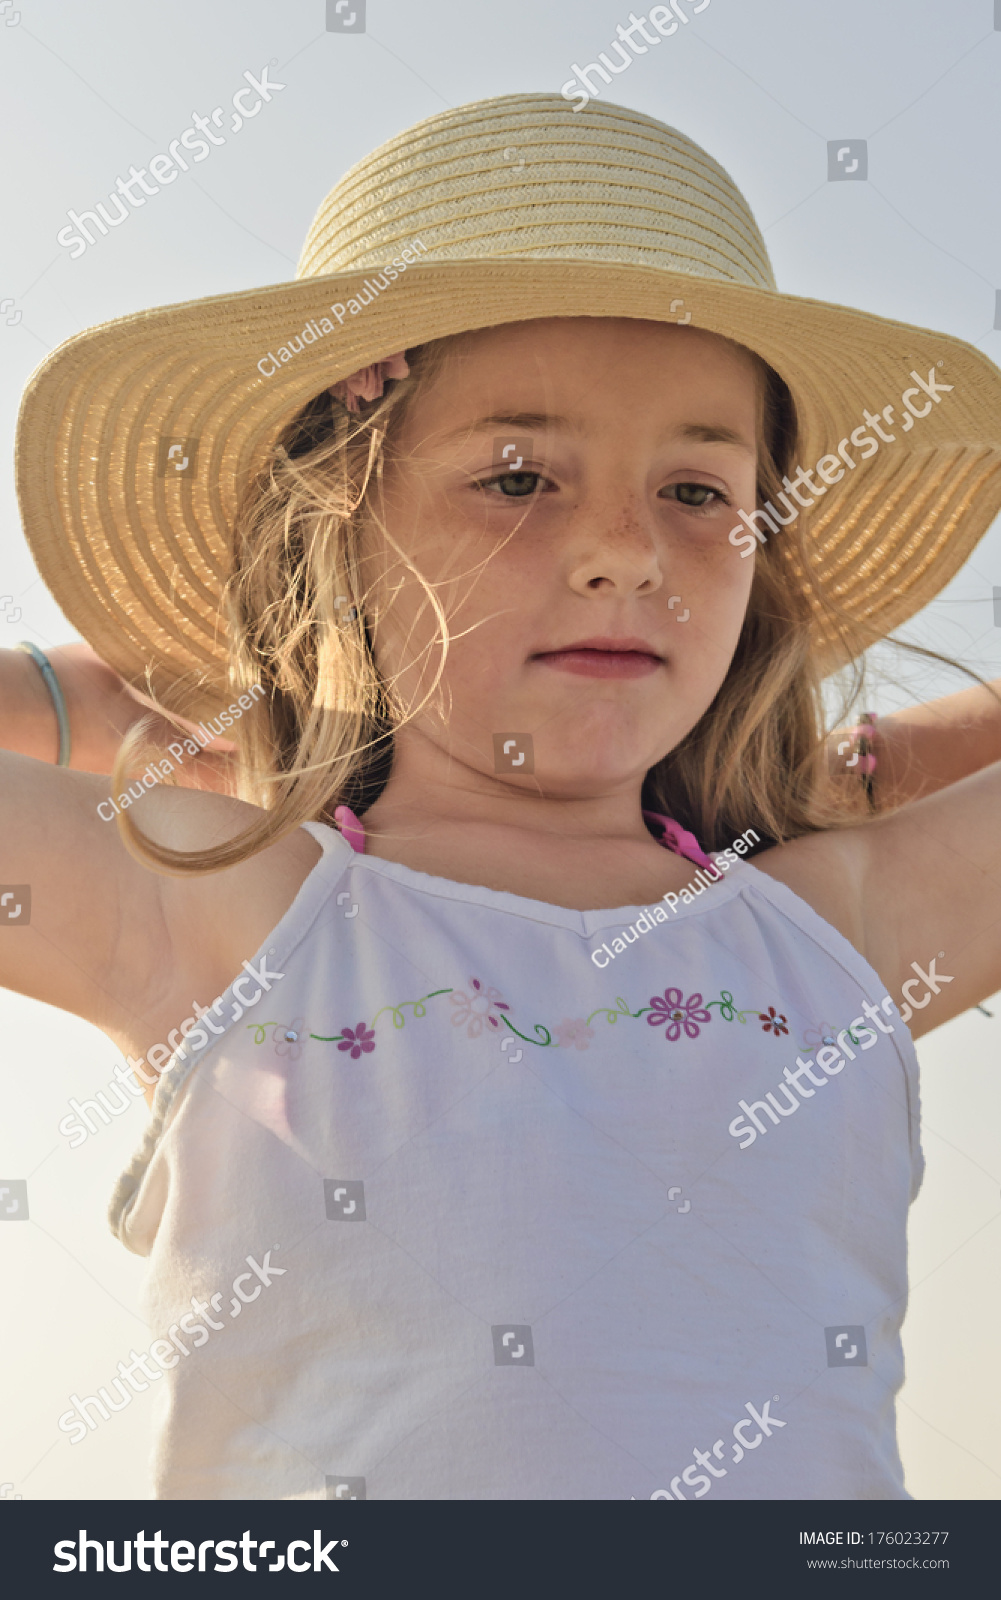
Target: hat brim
{"points": [[136, 551]]}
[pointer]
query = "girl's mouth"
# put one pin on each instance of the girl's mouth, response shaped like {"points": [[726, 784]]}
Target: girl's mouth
{"points": [[603, 658]]}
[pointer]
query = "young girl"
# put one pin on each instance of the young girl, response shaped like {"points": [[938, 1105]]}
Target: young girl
{"points": [[483, 1159]]}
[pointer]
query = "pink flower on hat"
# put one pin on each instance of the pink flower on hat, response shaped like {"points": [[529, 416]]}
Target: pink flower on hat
{"points": [[367, 383]]}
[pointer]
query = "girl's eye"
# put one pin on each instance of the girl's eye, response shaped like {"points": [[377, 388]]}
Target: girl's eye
{"points": [[514, 485], [696, 496]]}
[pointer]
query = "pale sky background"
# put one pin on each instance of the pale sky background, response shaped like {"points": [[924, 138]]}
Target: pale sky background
{"points": [[87, 90]]}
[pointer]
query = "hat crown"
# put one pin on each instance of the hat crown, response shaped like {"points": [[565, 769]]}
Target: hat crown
{"points": [[527, 176]]}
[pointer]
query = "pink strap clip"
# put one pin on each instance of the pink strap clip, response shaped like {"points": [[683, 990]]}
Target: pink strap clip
{"points": [[351, 828], [675, 837]]}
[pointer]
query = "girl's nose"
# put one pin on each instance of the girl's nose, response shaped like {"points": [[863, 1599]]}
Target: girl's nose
{"points": [[612, 547]]}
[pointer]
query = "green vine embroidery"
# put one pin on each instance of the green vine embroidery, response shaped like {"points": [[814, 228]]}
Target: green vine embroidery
{"points": [[358, 1041], [546, 1040], [621, 1010], [671, 1008], [420, 1010], [728, 1010]]}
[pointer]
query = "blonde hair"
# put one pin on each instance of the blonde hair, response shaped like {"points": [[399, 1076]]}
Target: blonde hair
{"points": [[321, 736]]}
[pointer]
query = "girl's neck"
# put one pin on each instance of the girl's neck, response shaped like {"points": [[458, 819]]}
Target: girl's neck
{"points": [[581, 852], [429, 791]]}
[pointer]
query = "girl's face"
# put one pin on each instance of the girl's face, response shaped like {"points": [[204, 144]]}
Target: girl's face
{"points": [[592, 596]]}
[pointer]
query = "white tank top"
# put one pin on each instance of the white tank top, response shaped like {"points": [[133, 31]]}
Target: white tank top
{"points": [[468, 1218]]}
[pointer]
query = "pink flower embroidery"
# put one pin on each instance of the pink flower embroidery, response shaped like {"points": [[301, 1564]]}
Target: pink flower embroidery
{"points": [[772, 1021], [574, 1031], [287, 1037], [357, 1039], [671, 1007], [477, 1008]]}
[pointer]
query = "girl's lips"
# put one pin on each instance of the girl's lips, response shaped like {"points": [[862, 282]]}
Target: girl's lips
{"points": [[588, 662]]}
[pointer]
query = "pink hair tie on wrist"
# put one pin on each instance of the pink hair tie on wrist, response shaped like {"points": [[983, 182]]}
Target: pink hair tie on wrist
{"points": [[866, 764], [368, 382]]}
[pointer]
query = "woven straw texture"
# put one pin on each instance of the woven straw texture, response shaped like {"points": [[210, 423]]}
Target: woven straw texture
{"points": [[523, 209]]}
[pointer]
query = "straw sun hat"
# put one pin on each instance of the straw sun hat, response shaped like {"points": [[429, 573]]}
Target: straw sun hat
{"points": [[522, 208]]}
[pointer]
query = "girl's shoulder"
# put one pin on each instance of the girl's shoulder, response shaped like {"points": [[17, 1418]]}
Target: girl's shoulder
{"points": [[250, 896], [824, 869]]}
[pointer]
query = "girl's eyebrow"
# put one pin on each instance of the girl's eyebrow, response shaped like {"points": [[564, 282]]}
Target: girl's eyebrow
{"points": [[704, 433], [527, 422], [524, 421]]}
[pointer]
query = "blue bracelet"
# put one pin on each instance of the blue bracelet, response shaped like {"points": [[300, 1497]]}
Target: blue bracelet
{"points": [[45, 667]]}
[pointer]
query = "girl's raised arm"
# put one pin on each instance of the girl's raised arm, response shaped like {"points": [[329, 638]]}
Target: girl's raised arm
{"points": [[81, 922], [927, 747], [930, 890], [83, 925], [101, 708]]}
